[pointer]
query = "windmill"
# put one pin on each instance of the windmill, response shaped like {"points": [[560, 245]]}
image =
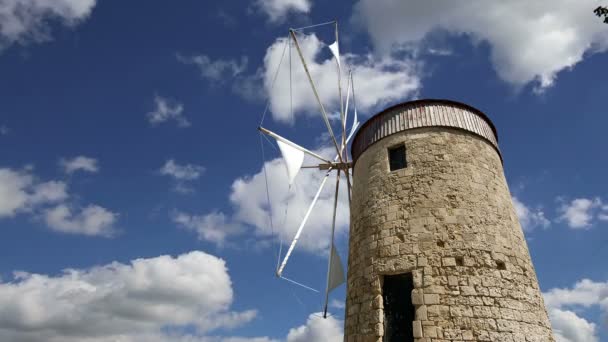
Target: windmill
{"points": [[293, 156]]}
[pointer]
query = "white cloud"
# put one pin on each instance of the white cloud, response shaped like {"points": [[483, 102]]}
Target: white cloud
{"points": [[13, 191], [317, 329], [529, 40], [580, 212], [562, 304], [4, 130], [337, 304], [603, 215], [288, 207], [133, 302], [21, 192], [166, 110], [569, 327], [216, 70], [530, 218], [184, 172], [277, 10], [214, 227], [91, 220], [48, 192], [80, 163], [22, 21], [377, 80], [249, 202]]}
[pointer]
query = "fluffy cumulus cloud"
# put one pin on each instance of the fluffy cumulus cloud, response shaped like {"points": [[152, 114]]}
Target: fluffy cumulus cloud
{"points": [[377, 80], [529, 40], [530, 218], [80, 163], [167, 110], [22, 192], [140, 301], [581, 213], [92, 220], [318, 329], [214, 227], [564, 306], [568, 327], [23, 21], [288, 207], [277, 10]]}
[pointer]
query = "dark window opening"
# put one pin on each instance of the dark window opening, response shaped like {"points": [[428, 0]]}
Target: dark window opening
{"points": [[440, 244], [399, 312], [459, 261], [501, 265], [396, 157]]}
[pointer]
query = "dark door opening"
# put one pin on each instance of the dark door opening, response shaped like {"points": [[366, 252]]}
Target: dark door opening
{"points": [[399, 312]]}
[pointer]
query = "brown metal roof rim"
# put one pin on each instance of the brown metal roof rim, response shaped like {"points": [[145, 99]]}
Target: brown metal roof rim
{"points": [[427, 101]]}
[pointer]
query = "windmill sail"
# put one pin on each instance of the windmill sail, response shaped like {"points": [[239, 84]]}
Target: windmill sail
{"points": [[293, 160], [335, 50], [336, 270], [354, 128]]}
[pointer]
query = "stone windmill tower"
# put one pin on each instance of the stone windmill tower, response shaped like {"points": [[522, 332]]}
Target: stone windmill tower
{"points": [[436, 250]]}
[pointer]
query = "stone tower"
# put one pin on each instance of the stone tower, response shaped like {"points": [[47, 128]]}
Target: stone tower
{"points": [[436, 250]]}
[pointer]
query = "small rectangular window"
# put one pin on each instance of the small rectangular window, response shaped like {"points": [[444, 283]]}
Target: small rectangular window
{"points": [[396, 157], [399, 312]]}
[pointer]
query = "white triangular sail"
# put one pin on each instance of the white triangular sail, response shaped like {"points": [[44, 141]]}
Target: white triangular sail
{"points": [[335, 50], [293, 160], [336, 270], [354, 128]]}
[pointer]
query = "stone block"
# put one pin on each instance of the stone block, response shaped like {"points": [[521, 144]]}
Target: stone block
{"points": [[417, 329], [431, 299], [417, 297]]}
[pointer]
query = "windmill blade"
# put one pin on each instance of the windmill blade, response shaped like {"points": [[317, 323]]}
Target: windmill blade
{"points": [[348, 86], [301, 227], [335, 273], [292, 144], [316, 93]]}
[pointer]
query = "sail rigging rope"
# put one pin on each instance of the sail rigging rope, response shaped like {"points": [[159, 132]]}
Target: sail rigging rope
{"points": [[267, 191], [274, 80], [316, 25]]}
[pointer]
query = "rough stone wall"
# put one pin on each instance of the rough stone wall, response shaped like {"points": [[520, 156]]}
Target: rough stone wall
{"points": [[447, 218]]}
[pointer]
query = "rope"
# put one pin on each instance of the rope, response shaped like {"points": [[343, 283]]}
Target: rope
{"points": [[299, 284], [268, 192], [283, 225], [311, 26], [274, 80], [270, 142], [290, 85]]}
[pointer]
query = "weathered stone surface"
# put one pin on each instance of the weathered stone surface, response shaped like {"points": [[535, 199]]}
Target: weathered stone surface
{"points": [[447, 218]]}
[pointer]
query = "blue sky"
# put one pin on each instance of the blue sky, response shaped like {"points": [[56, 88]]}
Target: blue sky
{"points": [[130, 155]]}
